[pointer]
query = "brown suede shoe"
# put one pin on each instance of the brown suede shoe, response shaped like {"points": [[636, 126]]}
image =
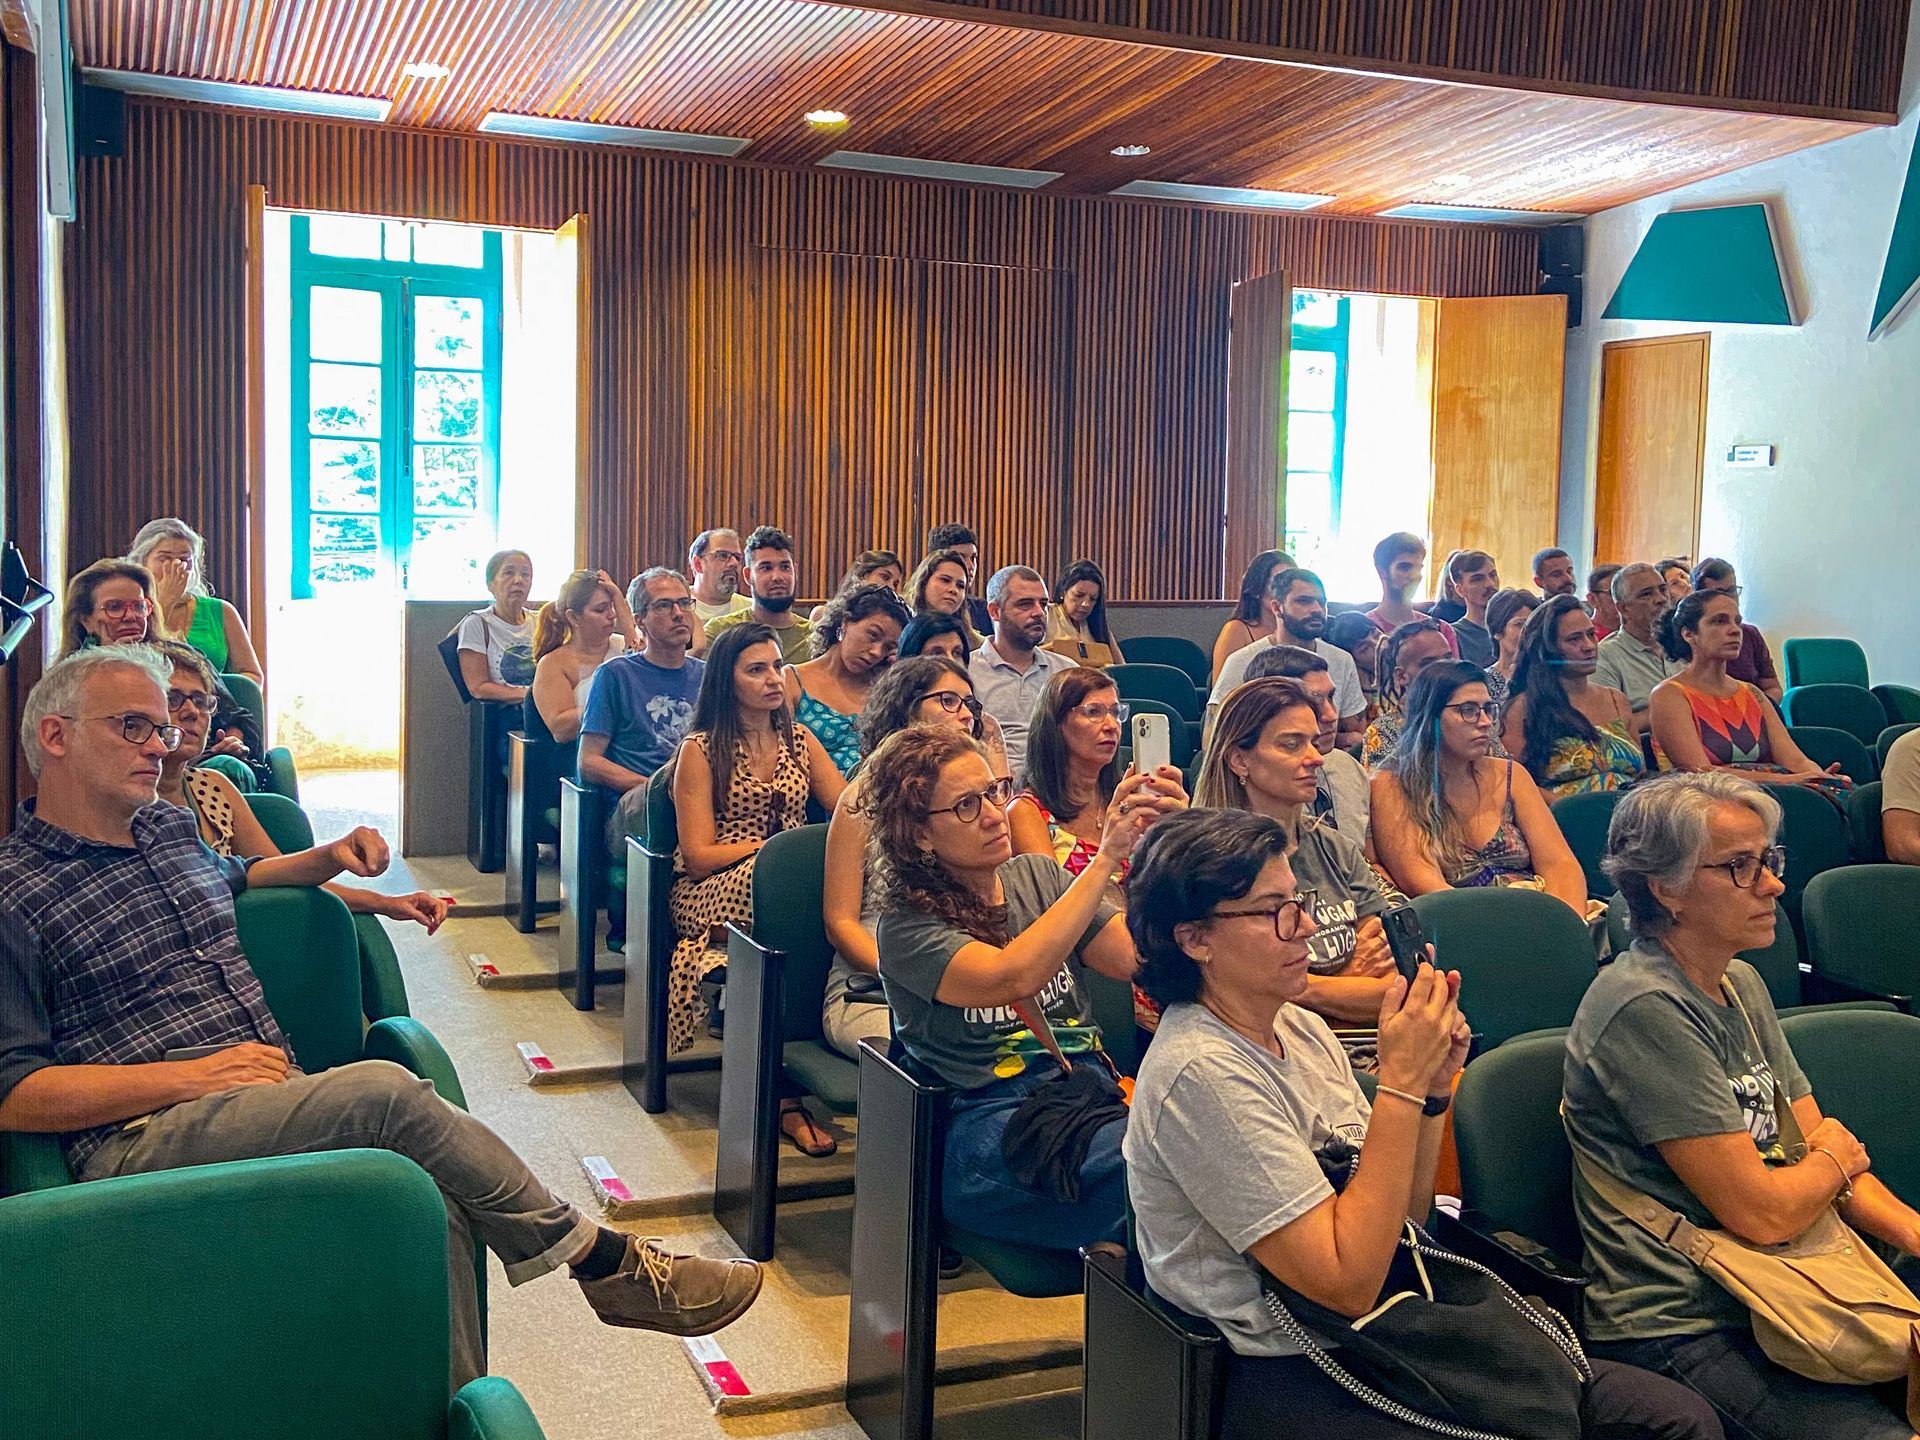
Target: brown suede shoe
{"points": [[675, 1294]]}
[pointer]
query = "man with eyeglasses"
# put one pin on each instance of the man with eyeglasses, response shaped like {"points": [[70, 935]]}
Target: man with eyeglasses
{"points": [[1754, 663], [1632, 660], [1010, 670], [639, 707], [715, 558], [132, 1026]]}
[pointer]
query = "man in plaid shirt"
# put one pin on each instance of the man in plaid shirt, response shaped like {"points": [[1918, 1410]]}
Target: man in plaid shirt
{"points": [[132, 1026]]}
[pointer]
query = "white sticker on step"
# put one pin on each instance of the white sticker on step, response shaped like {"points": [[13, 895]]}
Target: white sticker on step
{"points": [[481, 965], [708, 1355], [534, 1058], [606, 1183]]}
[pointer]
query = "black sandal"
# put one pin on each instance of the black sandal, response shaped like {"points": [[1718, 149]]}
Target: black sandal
{"points": [[820, 1149]]}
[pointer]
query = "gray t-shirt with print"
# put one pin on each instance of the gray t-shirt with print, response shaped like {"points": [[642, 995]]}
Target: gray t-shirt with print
{"points": [[1651, 1057], [1221, 1151], [1346, 891], [973, 1046]]}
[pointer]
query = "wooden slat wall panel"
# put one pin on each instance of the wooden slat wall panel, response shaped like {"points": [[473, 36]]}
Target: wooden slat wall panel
{"points": [[157, 328]]}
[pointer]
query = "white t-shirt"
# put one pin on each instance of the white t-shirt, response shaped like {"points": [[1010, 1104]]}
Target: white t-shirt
{"points": [[508, 648], [1900, 781], [734, 606], [1348, 698]]}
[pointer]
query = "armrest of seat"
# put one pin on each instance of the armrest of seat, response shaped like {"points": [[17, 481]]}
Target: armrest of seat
{"points": [[408, 1043], [285, 781], [1823, 987], [31, 1162], [746, 1156], [491, 1409], [1526, 1265], [383, 993]]}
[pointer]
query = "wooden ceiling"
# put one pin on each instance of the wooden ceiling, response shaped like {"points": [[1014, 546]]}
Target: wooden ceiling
{"points": [[942, 89]]}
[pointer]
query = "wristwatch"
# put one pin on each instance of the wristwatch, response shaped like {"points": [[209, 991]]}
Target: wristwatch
{"points": [[1436, 1105]]}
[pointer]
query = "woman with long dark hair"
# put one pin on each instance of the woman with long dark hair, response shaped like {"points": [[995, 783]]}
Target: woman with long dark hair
{"points": [[1507, 614], [1077, 619], [1250, 620], [1448, 814], [852, 646], [939, 587], [1073, 767], [942, 636], [1572, 735]]}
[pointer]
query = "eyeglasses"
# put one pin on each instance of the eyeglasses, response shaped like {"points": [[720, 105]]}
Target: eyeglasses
{"points": [[1295, 912], [1736, 591], [178, 700], [122, 609], [136, 729], [1097, 714], [1744, 870], [967, 808], [953, 702], [663, 607], [719, 554], [1471, 711]]}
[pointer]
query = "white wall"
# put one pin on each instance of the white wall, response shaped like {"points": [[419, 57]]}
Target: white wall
{"points": [[1822, 541]]}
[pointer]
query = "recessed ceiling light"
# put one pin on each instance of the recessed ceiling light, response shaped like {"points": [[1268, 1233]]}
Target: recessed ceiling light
{"points": [[425, 70], [1129, 152], [826, 119]]}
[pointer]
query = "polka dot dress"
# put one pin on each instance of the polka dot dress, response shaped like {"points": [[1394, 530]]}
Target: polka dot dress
{"points": [[209, 799]]}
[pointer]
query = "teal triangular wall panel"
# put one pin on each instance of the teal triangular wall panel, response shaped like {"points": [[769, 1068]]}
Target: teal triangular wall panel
{"points": [[1717, 264], [1900, 281]]}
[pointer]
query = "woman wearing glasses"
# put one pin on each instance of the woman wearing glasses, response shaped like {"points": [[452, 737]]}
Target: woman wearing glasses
{"points": [[923, 690], [981, 952], [852, 646], [1073, 766], [226, 821], [1669, 1095], [1448, 814]]}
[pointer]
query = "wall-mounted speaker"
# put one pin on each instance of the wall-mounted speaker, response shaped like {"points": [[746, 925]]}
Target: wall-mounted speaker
{"points": [[1563, 250], [99, 123], [1571, 286]]}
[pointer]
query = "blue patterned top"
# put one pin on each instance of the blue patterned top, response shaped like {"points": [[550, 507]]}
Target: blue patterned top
{"points": [[835, 732]]}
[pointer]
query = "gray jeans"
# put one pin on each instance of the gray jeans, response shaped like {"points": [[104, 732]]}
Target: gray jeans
{"points": [[377, 1105], [627, 818]]}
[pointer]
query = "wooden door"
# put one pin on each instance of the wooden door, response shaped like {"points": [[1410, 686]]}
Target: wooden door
{"points": [[1498, 366], [1653, 439], [1260, 329]]}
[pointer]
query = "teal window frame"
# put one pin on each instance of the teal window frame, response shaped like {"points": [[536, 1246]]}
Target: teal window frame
{"points": [[398, 283], [1330, 340]]}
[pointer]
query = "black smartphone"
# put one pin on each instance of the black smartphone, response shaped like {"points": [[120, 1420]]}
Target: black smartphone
{"points": [[1406, 938]]}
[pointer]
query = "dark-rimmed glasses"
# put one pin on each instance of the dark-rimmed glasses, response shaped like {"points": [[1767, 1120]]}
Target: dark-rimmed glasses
{"points": [[1295, 911], [136, 729], [670, 603], [967, 808], [953, 702], [178, 700], [124, 609], [1471, 711], [1744, 870]]}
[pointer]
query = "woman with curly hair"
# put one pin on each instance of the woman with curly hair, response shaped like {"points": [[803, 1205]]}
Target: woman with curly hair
{"points": [[851, 646], [1403, 655], [870, 567], [982, 952]]}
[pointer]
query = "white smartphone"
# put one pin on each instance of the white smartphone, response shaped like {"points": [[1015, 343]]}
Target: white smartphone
{"points": [[1151, 746]]}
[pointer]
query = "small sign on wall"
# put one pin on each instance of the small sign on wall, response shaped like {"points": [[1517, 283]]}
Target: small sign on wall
{"points": [[1751, 457]]}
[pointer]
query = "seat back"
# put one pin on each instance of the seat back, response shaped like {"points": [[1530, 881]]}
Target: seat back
{"points": [[1516, 1169], [1901, 703], [286, 823], [1854, 1059], [1863, 927], [1175, 650], [663, 821], [245, 691], [1819, 661], [1112, 1004], [1827, 745], [163, 1277], [1619, 935], [1524, 957], [1179, 736], [449, 647], [1883, 744], [1864, 824], [1584, 820], [1165, 683], [302, 945], [1815, 834], [788, 876], [1779, 963], [1851, 708]]}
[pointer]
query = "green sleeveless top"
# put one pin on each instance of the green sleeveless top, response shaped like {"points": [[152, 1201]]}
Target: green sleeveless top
{"points": [[208, 632]]}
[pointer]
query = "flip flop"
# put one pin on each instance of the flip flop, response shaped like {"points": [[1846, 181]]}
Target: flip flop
{"points": [[817, 1150]]}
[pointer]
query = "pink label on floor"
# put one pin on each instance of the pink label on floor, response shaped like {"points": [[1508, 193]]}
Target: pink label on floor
{"points": [[711, 1358], [535, 1058]]}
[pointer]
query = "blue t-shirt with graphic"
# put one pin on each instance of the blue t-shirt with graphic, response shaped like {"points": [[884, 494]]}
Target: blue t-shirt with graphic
{"points": [[642, 708]]}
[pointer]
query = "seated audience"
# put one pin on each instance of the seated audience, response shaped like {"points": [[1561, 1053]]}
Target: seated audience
{"points": [[772, 580], [939, 587], [1246, 1105], [1010, 671], [1451, 815], [1680, 1087], [1263, 758], [1754, 663], [1632, 660], [1704, 719], [944, 636], [226, 820], [496, 644], [1572, 735], [1900, 800], [961, 538], [1407, 652], [1356, 634], [1400, 561], [1676, 573], [1073, 766], [1476, 582], [176, 556], [93, 1037], [1298, 602], [1606, 615], [715, 560], [587, 624], [640, 706], [852, 647], [1507, 616], [1077, 620], [744, 773], [870, 567], [981, 955], [919, 691], [1553, 573], [1252, 617], [1448, 608], [1341, 795]]}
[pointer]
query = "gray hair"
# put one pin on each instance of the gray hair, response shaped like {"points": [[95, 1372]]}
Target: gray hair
{"points": [[1006, 575], [1622, 583], [1659, 833], [170, 528], [58, 692], [637, 590]]}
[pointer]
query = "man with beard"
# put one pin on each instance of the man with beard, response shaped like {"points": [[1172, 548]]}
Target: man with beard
{"points": [[1297, 602], [714, 560], [771, 580], [1631, 660], [1553, 573], [1010, 670]]}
